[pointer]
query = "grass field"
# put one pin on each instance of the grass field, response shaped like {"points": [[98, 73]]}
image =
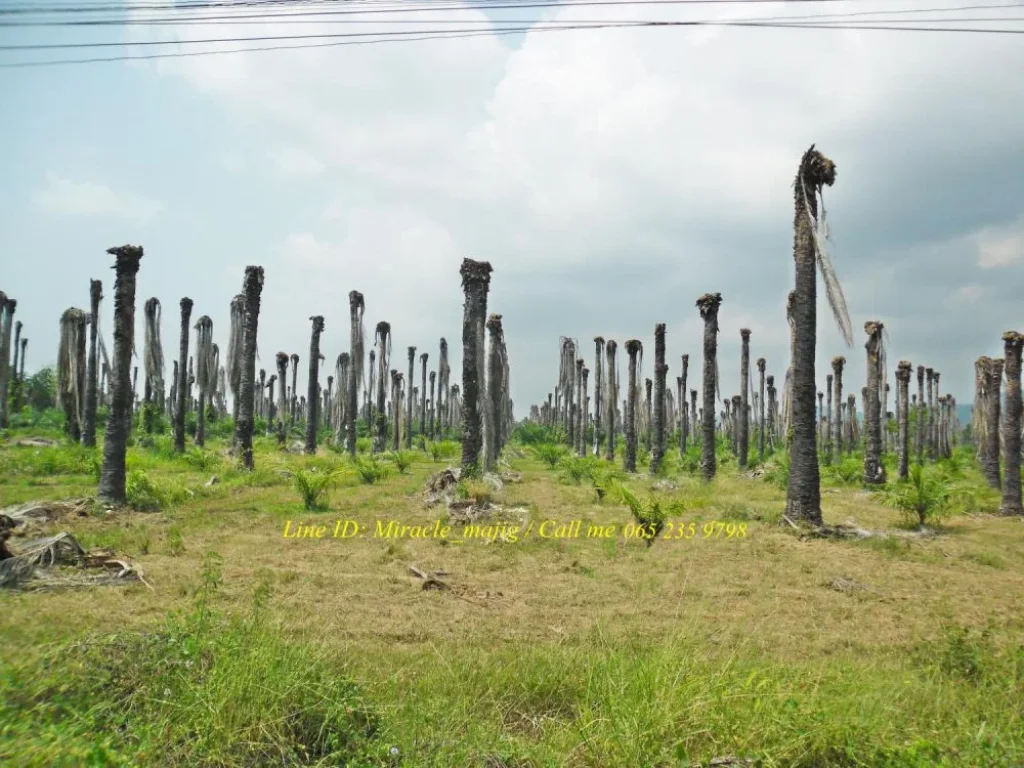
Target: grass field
{"points": [[253, 649]]}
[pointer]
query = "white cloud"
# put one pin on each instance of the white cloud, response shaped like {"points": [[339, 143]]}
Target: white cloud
{"points": [[1000, 248], [970, 293], [233, 161], [59, 195], [296, 162]]}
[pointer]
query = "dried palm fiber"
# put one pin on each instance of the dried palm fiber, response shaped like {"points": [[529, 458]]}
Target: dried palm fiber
{"points": [[833, 289], [71, 368]]}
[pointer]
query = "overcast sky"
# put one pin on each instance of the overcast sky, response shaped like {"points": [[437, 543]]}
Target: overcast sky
{"points": [[609, 176]]}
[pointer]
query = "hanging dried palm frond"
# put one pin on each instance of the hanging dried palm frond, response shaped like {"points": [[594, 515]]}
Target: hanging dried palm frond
{"points": [[833, 289]]}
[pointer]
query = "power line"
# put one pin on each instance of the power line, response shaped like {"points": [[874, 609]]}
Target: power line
{"points": [[329, 17], [416, 5], [405, 36]]}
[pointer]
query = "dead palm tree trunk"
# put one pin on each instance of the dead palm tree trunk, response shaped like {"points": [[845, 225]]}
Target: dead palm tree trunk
{"points": [[611, 397], [433, 404], [803, 492], [115, 443], [234, 361], [423, 395], [921, 415], [658, 417], [383, 341], [281, 359], [476, 278], [204, 376], [874, 470], [252, 288], [1013, 344], [179, 414], [313, 384], [152, 364], [71, 370], [761, 363], [992, 402], [633, 349], [409, 399], [647, 412], [356, 307], [598, 393], [708, 305], [442, 407], [685, 422], [492, 446], [584, 411], [744, 423], [829, 434], [342, 373], [92, 374], [7, 307], [396, 407], [903, 371], [936, 418], [837, 425], [294, 411]]}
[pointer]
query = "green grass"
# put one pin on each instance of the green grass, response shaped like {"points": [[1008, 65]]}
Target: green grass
{"points": [[598, 652]]}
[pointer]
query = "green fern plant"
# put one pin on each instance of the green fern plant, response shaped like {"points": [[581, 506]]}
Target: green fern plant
{"points": [[650, 514], [401, 459], [369, 469]]}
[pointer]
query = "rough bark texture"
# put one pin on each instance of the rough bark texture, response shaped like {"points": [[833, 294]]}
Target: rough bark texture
{"points": [[874, 471], [433, 404], [281, 359], [494, 399], [409, 399], [687, 423], [179, 412], [744, 424], [577, 428], [633, 347], [396, 408], [658, 419], [252, 288], [761, 363], [204, 377], [803, 492], [93, 374], [708, 305], [7, 307], [599, 418], [903, 371], [380, 419], [313, 384], [1013, 343], [920, 414], [423, 395], [115, 443], [355, 379], [611, 398], [476, 278], [992, 420]]}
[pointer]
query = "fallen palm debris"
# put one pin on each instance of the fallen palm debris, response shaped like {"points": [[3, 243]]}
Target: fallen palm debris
{"points": [[59, 560]]}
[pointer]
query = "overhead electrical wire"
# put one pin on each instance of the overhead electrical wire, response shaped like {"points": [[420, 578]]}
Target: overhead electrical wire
{"points": [[809, 21], [330, 16]]}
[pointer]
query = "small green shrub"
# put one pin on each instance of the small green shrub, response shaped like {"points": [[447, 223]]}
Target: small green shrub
{"points": [[312, 484], [369, 469], [776, 470], [922, 497], [401, 459], [201, 460], [549, 453], [575, 469]]}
